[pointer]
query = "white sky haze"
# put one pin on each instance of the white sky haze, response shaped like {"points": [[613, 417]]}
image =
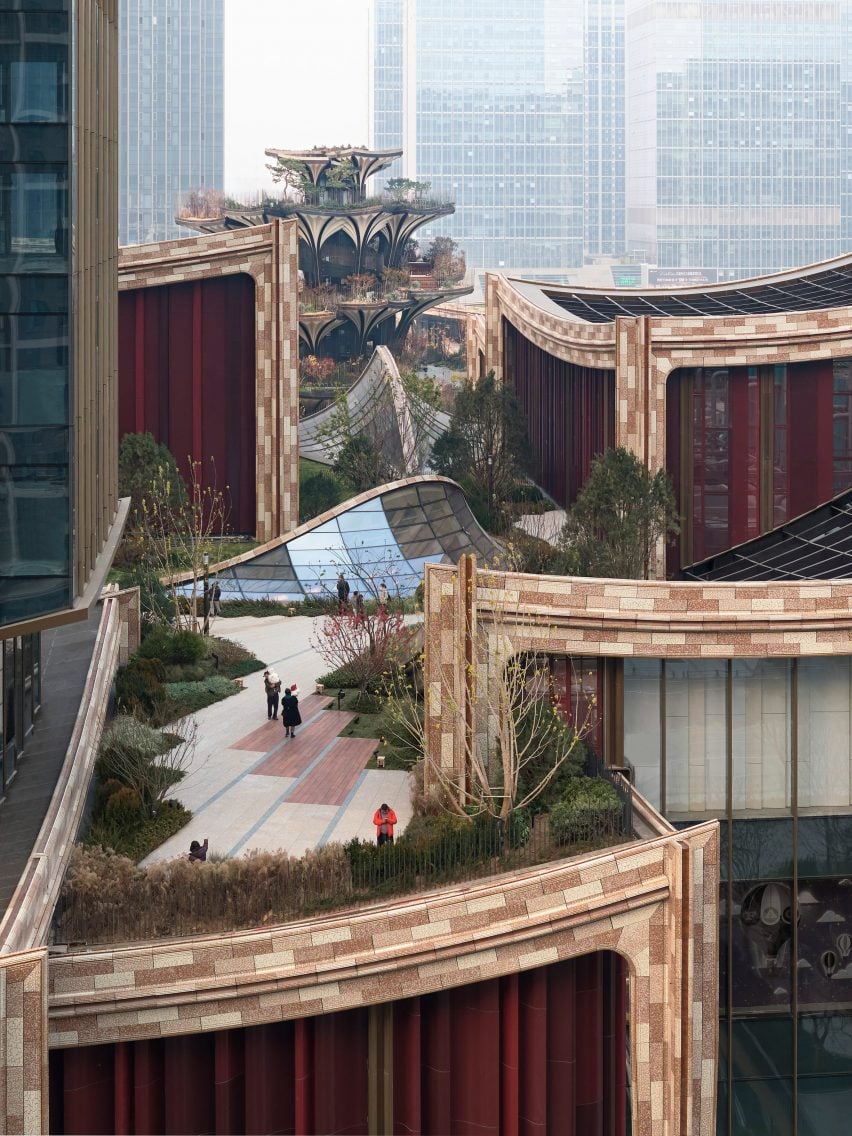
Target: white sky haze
{"points": [[295, 75]]}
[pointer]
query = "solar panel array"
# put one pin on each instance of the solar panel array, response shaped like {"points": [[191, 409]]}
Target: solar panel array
{"points": [[829, 288], [815, 546], [389, 538]]}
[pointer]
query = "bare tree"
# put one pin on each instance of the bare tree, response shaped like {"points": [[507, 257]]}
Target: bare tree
{"points": [[178, 531], [147, 760]]}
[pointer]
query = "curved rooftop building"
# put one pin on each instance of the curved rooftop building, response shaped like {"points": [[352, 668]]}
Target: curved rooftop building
{"points": [[743, 392], [387, 534]]}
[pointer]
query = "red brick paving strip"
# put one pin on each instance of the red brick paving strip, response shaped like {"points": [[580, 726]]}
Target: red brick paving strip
{"points": [[336, 774], [270, 733], [294, 755]]}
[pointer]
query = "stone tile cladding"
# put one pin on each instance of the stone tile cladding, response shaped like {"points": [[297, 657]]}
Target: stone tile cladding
{"points": [[652, 901], [23, 1043], [268, 253], [616, 618], [645, 350]]}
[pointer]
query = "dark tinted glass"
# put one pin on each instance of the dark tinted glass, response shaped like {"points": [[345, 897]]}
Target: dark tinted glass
{"points": [[33, 370]]}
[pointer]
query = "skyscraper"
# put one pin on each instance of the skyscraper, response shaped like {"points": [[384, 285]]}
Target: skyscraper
{"points": [[171, 137], [603, 106], [59, 516], [486, 99], [737, 130]]}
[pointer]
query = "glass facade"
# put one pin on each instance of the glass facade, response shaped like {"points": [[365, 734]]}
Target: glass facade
{"points": [[20, 700], [171, 107], [486, 99], [35, 415], [738, 118], [603, 108], [389, 538]]}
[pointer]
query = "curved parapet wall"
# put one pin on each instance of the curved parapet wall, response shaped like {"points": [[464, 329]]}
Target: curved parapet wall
{"points": [[651, 902], [378, 407], [389, 533]]}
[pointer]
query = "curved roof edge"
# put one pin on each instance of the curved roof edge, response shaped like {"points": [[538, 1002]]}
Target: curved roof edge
{"points": [[466, 534], [377, 393], [814, 287]]}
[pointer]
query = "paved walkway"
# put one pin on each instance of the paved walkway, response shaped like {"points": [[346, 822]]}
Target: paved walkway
{"points": [[251, 787], [65, 656]]}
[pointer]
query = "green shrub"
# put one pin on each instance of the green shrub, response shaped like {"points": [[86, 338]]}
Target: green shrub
{"points": [[560, 740], [229, 652], [318, 493], [124, 807], [241, 668], [127, 737], [185, 672], [139, 686], [173, 647], [137, 837], [184, 698], [588, 809]]}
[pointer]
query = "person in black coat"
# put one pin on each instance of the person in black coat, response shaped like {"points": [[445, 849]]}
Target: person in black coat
{"points": [[290, 715]]}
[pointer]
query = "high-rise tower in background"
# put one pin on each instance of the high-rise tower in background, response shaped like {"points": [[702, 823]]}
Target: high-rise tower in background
{"points": [[712, 136], [737, 118], [486, 99], [171, 137]]}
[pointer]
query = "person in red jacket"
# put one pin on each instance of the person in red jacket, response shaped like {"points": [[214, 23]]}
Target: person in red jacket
{"points": [[384, 818]]}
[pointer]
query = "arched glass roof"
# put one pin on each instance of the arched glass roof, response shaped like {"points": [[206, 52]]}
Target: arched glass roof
{"points": [[389, 537]]}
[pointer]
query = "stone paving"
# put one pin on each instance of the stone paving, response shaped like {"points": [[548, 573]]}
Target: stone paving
{"points": [[250, 787]]}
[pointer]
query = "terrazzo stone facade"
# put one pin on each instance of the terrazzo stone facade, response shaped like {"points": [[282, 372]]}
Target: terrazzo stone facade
{"points": [[653, 902], [23, 1043], [269, 254], [470, 613]]}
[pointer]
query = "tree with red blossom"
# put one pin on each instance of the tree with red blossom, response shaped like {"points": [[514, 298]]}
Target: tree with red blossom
{"points": [[365, 646]]}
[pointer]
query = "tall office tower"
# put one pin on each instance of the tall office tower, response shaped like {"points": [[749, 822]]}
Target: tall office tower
{"points": [[58, 354], [603, 102], [737, 134], [171, 137], [485, 97]]}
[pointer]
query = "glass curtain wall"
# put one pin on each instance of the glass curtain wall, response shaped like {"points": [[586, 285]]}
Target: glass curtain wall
{"points": [[35, 528], [765, 745]]}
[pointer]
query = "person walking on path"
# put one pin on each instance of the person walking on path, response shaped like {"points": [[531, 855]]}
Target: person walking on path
{"points": [[342, 593], [272, 684], [198, 852], [383, 600], [216, 596], [290, 715], [384, 818], [358, 603]]}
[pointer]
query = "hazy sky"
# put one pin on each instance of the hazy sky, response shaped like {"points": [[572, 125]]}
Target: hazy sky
{"points": [[295, 75]]}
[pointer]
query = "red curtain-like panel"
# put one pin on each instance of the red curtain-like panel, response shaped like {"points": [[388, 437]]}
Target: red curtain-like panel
{"points": [[187, 376], [543, 1051], [569, 411]]}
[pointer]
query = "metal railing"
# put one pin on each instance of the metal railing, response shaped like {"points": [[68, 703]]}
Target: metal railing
{"points": [[621, 779]]}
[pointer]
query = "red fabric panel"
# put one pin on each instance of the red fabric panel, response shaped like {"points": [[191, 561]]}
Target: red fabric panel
{"points": [[510, 1096], [149, 1103], [124, 1089], [340, 1073], [407, 1100], [187, 375], [590, 1063], [533, 1047], [562, 1047], [673, 427], [437, 1053], [230, 1082], [810, 397], [189, 1084], [615, 1045], [304, 1075], [88, 1092], [745, 444], [476, 1059], [269, 1079]]}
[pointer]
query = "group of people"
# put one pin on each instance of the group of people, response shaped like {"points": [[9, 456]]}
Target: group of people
{"points": [[290, 716], [357, 606]]}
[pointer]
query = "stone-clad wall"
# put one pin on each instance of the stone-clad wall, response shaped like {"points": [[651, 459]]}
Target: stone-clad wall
{"points": [[23, 1043], [269, 254], [645, 350], [653, 902], [609, 618]]}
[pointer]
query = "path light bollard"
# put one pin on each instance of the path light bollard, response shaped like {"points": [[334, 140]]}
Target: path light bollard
{"points": [[380, 761]]}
